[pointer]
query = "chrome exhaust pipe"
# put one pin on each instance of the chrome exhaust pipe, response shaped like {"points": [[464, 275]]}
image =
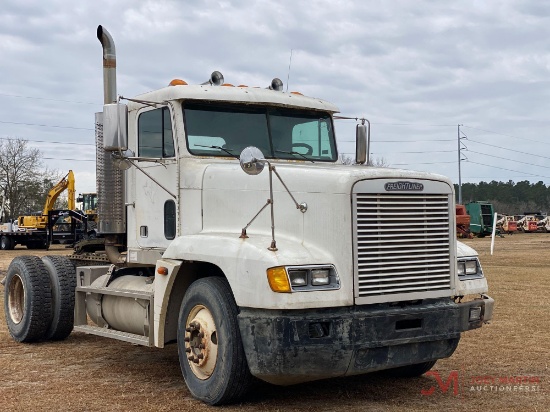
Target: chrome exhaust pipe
{"points": [[109, 65]]}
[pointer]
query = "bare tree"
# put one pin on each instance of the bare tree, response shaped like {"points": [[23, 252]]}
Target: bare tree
{"points": [[378, 162], [23, 180]]}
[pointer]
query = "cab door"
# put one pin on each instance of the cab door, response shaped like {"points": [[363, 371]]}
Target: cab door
{"points": [[155, 179]]}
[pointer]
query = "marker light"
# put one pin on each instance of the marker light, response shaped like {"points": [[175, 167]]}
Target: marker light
{"points": [[278, 279]]}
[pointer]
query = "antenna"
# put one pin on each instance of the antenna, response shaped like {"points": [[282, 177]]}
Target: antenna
{"points": [[288, 75]]}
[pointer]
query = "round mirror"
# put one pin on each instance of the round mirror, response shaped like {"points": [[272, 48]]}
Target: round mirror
{"points": [[121, 163], [252, 160]]}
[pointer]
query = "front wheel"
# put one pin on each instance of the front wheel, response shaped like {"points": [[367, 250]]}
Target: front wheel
{"points": [[210, 349]]}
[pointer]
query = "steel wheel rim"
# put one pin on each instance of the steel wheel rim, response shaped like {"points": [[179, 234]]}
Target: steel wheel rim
{"points": [[201, 342], [16, 299]]}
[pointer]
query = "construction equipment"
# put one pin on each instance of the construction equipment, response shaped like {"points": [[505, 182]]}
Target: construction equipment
{"points": [[231, 229], [528, 224], [506, 224], [41, 221], [481, 218], [462, 222], [543, 225]]}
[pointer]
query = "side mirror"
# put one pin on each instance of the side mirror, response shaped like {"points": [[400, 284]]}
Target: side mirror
{"points": [[361, 144], [122, 162], [252, 160], [115, 127]]}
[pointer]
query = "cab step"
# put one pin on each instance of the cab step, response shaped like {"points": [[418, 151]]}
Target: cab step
{"points": [[113, 334]]}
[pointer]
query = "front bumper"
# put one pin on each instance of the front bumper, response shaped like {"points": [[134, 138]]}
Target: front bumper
{"points": [[291, 346]]}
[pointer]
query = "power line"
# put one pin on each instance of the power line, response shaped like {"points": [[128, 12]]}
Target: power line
{"points": [[400, 141], [47, 141], [47, 125], [417, 152], [511, 150], [507, 135], [78, 160], [505, 158], [430, 163], [509, 170], [45, 98]]}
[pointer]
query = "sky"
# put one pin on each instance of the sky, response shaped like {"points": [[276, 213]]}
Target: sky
{"points": [[415, 69]]}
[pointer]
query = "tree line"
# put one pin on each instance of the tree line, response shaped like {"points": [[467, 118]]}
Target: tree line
{"points": [[24, 180], [509, 198]]}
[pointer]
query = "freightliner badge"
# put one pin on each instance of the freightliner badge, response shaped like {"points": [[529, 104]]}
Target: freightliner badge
{"points": [[403, 187]]}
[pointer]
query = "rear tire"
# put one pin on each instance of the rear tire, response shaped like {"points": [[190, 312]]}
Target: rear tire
{"points": [[411, 371], [63, 281], [212, 358], [27, 299], [6, 243]]}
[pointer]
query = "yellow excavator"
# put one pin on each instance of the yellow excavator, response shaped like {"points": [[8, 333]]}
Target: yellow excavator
{"points": [[41, 221]]}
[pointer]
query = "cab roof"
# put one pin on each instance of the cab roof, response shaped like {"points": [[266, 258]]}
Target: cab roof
{"points": [[230, 94]]}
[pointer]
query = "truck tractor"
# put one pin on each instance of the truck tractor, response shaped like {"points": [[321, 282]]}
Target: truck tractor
{"points": [[233, 232]]}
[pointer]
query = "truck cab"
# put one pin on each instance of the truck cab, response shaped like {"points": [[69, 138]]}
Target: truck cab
{"points": [[232, 230]]}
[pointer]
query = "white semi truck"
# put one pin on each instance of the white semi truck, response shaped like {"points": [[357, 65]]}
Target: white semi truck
{"points": [[233, 231]]}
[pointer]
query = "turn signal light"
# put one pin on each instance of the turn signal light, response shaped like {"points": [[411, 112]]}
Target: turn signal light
{"points": [[162, 270], [278, 279]]}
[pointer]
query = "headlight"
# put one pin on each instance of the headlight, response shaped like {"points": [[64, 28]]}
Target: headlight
{"points": [[469, 269], [298, 277], [320, 277], [303, 278]]}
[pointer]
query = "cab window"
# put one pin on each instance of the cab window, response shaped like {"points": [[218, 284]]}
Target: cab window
{"points": [[155, 134]]}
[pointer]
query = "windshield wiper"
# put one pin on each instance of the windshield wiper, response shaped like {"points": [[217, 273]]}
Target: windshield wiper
{"points": [[228, 151], [295, 153]]}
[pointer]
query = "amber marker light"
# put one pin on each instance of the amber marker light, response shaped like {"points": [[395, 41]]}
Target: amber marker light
{"points": [[162, 270], [178, 82], [278, 279]]}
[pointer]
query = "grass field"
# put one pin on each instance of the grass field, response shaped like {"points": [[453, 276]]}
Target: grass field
{"points": [[503, 366]]}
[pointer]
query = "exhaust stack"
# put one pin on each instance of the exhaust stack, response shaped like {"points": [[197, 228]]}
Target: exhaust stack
{"points": [[109, 65], [110, 180]]}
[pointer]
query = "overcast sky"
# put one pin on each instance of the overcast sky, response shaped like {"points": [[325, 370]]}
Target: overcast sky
{"points": [[415, 69]]}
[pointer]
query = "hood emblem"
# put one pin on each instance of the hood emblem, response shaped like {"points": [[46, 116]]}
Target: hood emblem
{"points": [[403, 187]]}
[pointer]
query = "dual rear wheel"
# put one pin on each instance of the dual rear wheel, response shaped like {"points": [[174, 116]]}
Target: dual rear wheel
{"points": [[39, 298]]}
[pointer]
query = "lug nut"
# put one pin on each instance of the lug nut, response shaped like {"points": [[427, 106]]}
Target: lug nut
{"points": [[200, 356], [188, 350], [191, 358], [195, 360], [201, 335], [188, 329], [201, 346], [197, 326], [186, 339]]}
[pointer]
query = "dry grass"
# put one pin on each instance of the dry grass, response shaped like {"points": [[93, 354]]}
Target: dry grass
{"points": [[95, 374]]}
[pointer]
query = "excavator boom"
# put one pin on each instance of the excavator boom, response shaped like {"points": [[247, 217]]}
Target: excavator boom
{"points": [[66, 183]]}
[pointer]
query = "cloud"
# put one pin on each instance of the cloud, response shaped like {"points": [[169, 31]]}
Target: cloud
{"points": [[405, 65]]}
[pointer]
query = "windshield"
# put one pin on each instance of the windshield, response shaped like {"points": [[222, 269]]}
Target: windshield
{"points": [[296, 134]]}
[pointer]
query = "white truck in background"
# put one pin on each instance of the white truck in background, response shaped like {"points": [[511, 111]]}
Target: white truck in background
{"points": [[232, 230]]}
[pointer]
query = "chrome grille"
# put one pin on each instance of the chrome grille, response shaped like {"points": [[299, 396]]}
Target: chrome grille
{"points": [[402, 246]]}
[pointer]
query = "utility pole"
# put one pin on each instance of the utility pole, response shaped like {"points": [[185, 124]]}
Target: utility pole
{"points": [[459, 175], [460, 148]]}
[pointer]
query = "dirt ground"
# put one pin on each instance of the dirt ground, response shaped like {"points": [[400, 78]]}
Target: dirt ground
{"points": [[502, 366]]}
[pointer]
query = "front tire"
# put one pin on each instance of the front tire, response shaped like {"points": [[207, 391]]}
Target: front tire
{"points": [[63, 281], [211, 354], [27, 299]]}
